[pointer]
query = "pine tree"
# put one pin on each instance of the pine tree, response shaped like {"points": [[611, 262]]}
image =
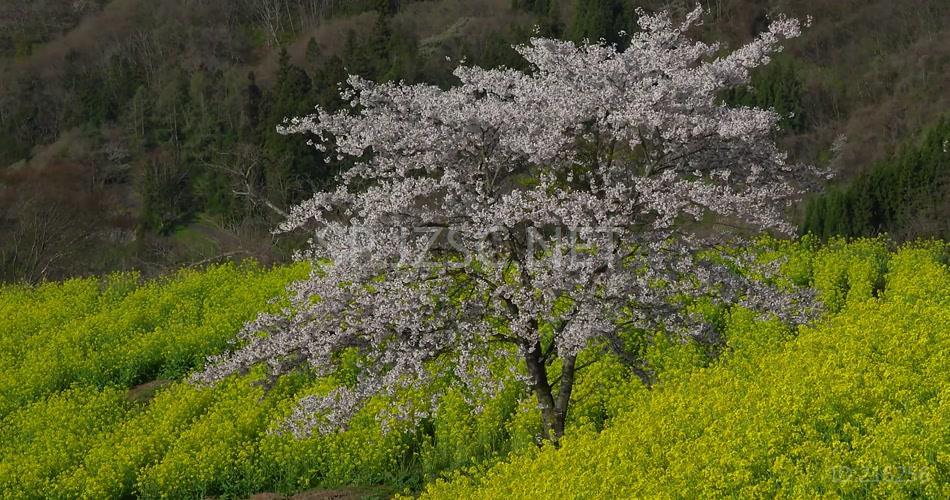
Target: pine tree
{"points": [[288, 172], [380, 45], [778, 87], [252, 106], [387, 7], [601, 19], [313, 53]]}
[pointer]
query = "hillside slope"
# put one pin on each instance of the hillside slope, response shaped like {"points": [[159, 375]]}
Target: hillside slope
{"points": [[168, 109]]}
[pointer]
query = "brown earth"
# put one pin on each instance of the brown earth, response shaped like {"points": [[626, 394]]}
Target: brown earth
{"points": [[143, 393], [335, 494]]}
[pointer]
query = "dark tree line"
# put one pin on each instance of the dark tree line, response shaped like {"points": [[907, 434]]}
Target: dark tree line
{"points": [[906, 195]]}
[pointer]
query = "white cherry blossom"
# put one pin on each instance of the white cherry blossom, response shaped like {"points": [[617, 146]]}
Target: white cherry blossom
{"points": [[561, 208]]}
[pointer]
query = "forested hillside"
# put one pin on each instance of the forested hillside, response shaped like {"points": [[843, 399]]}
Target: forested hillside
{"points": [[141, 135], [904, 194]]}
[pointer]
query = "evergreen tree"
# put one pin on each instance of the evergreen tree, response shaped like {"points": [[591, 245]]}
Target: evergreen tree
{"points": [[539, 7], [123, 77], [326, 81], [165, 191], [313, 53], [602, 19], [387, 7], [778, 87], [252, 106], [140, 118], [288, 170], [380, 45], [355, 56], [905, 195]]}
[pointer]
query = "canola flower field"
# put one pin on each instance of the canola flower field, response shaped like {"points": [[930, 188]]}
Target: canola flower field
{"points": [[856, 405]]}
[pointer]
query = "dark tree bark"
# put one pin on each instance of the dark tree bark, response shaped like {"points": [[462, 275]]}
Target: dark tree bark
{"points": [[553, 407]]}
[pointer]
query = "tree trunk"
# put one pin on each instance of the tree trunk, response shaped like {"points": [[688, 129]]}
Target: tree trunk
{"points": [[564, 393], [553, 410]]}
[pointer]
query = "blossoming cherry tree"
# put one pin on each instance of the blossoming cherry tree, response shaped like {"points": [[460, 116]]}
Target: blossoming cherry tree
{"points": [[523, 217]]}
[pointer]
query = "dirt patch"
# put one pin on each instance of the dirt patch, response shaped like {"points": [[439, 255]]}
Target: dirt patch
{"points": [[143, 393], [336, 494]]}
